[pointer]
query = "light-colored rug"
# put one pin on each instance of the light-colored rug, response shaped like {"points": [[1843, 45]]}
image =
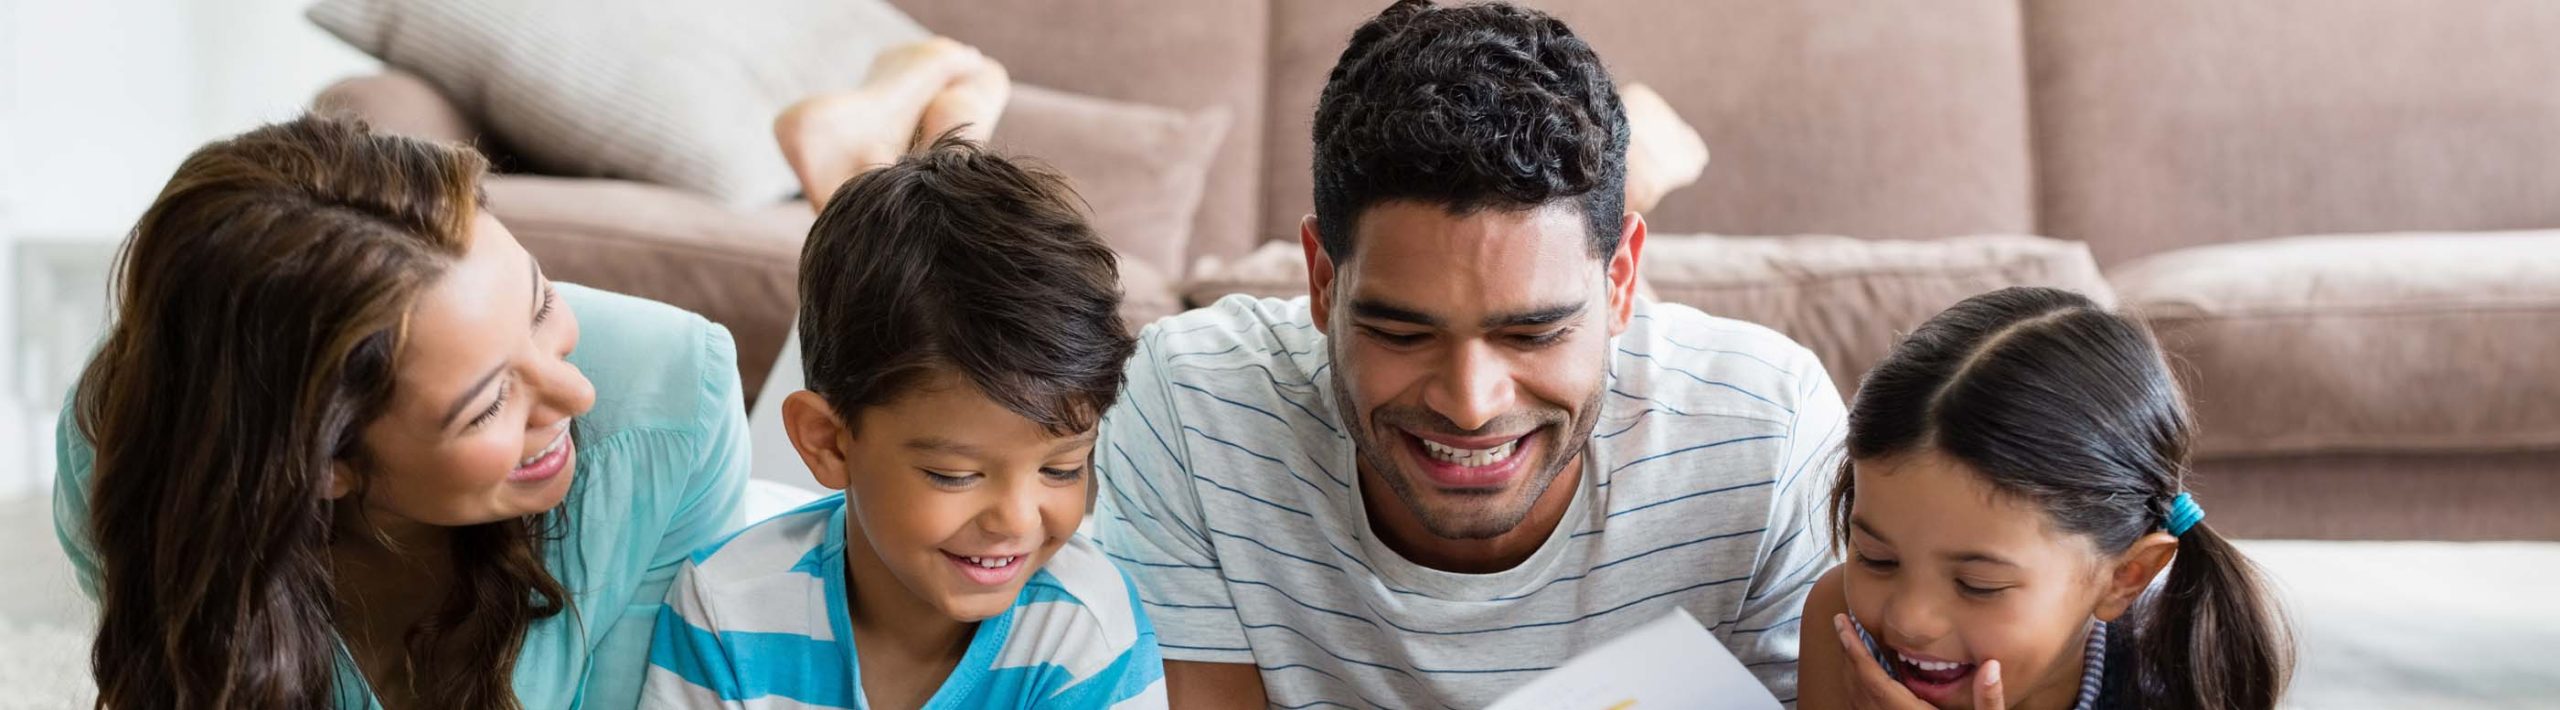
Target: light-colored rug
{"points": [[2381, 624]]}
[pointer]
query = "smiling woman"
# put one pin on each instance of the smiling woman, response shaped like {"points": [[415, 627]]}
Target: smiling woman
{"points": [[343, 446]]}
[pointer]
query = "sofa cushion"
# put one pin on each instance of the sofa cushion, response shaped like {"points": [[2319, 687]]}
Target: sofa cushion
{"points": [[1850, 300], [1871, 118], [1186, 54], [662, 91], [2165, 124], [2368, 343], [1141, 168]]}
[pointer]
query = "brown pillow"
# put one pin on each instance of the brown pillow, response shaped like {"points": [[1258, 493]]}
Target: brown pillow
{"points": [[1848, 299], [1274, 270], [1142, 168]]}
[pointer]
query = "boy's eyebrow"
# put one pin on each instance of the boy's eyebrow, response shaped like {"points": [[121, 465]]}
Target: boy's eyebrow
{"points": [[936, 444], [1078, 441]]}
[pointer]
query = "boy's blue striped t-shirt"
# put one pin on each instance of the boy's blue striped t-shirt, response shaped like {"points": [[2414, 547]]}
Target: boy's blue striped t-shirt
{"points": [[760, 621]]}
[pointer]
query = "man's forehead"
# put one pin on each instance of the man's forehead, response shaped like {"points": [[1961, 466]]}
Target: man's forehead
{"points": [[1422, 258]]}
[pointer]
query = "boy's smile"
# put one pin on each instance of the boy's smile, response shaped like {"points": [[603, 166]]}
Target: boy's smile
{"points": [[952, 501]]}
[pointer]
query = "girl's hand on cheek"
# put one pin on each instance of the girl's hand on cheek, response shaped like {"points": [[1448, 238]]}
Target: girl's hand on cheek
{"points": [[1871, 689]]}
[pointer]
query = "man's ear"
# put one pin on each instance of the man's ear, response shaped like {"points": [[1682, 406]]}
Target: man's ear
{"points": [[1319, 273], [2133, 573], [821, 437], [1624, 268]]}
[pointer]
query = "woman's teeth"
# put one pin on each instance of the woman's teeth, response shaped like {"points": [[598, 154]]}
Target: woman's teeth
{"points": [[990, 562], [1471, 457], [556, 441], [1930, 666]]}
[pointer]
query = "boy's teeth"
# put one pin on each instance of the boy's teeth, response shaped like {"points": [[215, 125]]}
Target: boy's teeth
{"points": [[1471, 457], [989, 562], [1931, 666]]}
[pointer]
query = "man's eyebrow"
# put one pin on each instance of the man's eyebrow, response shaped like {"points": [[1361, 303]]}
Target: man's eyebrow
{"points": [[1370, 309], [1543, 315]]}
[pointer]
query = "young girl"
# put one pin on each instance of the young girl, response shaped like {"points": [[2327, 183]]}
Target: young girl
{"points": [[2015, 483]]}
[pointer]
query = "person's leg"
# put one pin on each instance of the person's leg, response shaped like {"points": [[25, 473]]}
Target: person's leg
{"points": [[1663, 152], [830, 138]]}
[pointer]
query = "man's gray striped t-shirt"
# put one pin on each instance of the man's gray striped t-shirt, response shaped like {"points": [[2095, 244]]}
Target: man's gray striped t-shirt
{"points": [[1230, 497]]}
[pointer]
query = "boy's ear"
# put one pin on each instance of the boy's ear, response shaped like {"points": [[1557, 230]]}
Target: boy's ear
{"points": [[819, 435], [2133, 573]]}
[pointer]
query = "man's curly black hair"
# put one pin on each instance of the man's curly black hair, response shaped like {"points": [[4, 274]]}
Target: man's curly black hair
{"points": [[1471, 107]]}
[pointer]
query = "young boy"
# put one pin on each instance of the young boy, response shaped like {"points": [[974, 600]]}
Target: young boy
{"points": [[960, 333]]}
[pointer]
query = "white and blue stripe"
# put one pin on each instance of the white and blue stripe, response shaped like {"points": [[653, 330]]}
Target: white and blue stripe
{"points": [[760, 621], [1230, 497]]}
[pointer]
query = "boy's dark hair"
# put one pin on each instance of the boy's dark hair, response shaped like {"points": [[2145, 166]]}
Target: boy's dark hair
{"points": [[1471, 107], [2068, 406], [958, 260]]}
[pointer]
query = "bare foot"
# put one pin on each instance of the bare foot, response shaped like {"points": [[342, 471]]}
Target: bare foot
{"points": [[830, 138], [972, 103], [1663, 152]]}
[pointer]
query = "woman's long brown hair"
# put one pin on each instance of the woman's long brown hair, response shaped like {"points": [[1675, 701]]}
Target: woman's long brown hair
{"points": [[260, 310]]}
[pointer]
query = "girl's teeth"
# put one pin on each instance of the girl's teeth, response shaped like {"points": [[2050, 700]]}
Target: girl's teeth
{"points": [[1471, 457], [1931, 666], [989, 562]]}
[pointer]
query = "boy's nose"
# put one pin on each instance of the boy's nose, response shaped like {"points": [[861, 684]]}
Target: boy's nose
{"points": [[1012, 515]]}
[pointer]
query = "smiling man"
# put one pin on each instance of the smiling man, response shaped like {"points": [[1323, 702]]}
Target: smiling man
{"points": [[1472, 451]]}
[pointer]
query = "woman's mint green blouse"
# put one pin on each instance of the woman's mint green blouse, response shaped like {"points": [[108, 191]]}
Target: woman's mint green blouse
{"points": [[662, 463]]}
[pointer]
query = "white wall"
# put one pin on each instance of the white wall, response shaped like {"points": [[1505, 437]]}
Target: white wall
{"points": [[99, 100]]}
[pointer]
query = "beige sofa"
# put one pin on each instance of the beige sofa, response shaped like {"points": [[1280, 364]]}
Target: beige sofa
{"points": [[2400, 386]]}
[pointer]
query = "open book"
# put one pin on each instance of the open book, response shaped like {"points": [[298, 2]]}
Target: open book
{"points": [[1670, 663]]}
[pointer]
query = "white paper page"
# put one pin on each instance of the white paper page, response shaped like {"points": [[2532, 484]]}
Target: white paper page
{"points": [[1670, 663]]}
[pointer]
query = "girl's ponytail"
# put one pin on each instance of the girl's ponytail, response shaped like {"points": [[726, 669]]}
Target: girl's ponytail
{"points": [[2209, 639]]}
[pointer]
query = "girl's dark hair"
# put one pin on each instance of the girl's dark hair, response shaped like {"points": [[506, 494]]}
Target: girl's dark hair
{"points": [[2057, 401], [259, 316]]}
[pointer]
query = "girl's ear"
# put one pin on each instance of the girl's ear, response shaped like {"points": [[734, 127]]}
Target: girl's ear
{"points": [[2133, 572]]}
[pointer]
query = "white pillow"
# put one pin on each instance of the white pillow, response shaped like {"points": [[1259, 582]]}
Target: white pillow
{"points": [[673, 92]]}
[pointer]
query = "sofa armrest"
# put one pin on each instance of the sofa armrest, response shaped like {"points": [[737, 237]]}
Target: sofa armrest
{"points": [[398, 102]]}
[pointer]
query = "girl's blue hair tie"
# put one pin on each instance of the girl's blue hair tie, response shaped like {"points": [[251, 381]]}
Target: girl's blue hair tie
{"points": [[2184, 514]]}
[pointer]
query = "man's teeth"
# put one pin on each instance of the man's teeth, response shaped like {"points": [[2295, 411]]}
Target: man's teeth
{"points": [[989, 562], [1471, 457], [1930, 666]]}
